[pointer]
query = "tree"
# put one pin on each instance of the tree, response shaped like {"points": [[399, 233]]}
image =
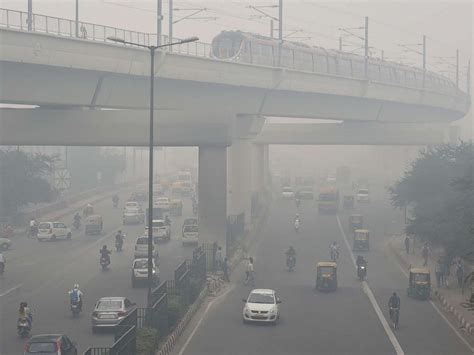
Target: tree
{"points": [[439, 185], [23, 180]]}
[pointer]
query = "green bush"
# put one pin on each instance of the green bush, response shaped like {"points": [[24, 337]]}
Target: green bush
{"points": [[147, 341], [175, 310]]}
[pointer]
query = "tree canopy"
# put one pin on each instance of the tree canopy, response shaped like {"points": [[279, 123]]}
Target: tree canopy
{"points": [[439, 184], [23, 180]]}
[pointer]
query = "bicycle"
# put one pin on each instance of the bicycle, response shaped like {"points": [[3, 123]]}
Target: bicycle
{"points": [[394, 316]]}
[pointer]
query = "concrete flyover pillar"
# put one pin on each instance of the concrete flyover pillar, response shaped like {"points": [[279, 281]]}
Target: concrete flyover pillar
{"points": [[212, 196], [257, 174], [239, 180]]}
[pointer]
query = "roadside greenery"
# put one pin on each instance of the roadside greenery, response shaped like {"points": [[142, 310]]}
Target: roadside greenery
{"points": [[439, 185], [147, 341], [24, 178]]}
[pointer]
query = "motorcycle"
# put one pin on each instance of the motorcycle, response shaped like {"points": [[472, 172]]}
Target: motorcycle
{"points": [[75, 309], [118, 245], [362, 272], [297, 225], [290, 262], [23, 327], [394, 316], [76, 224], [104, 263], [334, 254]]}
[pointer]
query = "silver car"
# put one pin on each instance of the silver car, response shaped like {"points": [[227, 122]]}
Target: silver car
{"points": [[109, 311]]}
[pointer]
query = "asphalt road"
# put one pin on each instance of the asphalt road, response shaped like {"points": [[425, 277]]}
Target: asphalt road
{"points": [[343, 322], [42, 274]]}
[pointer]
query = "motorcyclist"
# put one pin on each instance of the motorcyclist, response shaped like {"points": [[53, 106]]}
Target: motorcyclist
{"points": [[2, 263], [290, 253], [105, 253], [361, 261], [119, 237], [77, 219], [33, 228], [25, 313], [297, 217], [76, 296], [393, 303], [334, 248]]}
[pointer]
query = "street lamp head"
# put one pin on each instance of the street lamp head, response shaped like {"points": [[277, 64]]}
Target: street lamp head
{"points": [[190, 39], [116, 39]]}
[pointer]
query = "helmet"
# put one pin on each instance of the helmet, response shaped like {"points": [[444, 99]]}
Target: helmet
{"points": [[119, 232], [76, 286], [394, 294], [104, 247]]}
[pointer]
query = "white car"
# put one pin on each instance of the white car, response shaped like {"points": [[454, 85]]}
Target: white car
{"points": [[133, 213], [52, 231], [163, 203], [288, 192], [161, 231], [141, 248], [262, 305], [190, 234], [363, 195], [140, 271]]}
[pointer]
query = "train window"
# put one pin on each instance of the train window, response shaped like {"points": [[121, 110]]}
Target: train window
{"points": [[303, 61], [344, 67]]}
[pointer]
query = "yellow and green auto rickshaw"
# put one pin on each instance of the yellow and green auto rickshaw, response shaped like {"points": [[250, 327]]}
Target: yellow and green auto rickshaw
{"points": [[419, 283], [93, 224], [356, 221], [326, 276], [176, 207], [361, 240]]}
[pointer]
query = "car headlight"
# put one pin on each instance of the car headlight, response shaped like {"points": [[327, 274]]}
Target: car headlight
{"points": [[272, 311]]}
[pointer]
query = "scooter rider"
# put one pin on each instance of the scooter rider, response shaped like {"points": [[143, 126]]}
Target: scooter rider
{"points": [[76, 296], [290, 253], [119, 237], [77, 219], [393, 303], [105, 253], [334, 248], [25, 313]]}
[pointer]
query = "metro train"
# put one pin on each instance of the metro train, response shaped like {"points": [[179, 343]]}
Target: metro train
{"points": [[243, 47]]}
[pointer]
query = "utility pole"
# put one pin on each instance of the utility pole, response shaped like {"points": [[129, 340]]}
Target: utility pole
{"points": [[424, 52], [29, 19], [271, 29], [457, 68], [77, 18], [340, 43], [280, 30], [170, 23], [366, 40], [159, 19]]}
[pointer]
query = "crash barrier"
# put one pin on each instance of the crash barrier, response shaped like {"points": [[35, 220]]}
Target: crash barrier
{"points": [[170, 302]]}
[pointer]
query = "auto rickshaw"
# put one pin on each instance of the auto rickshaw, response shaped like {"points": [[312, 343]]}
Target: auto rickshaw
{"points": [[361, 240], [326, 276], [348, 203], [176, 207], [93, 224], [88, 210], [356, 221], [419, 283]]}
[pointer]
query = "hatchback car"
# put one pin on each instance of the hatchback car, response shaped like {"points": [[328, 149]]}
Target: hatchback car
{"points": [[109, 311], [190, 235], [262, 305], [133, 214], [52, 231], [140, 271], [161, 231], [50, 344], [141, 248]]}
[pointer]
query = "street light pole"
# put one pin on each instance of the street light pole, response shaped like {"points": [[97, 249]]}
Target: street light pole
{"points": [[152, 50], [366, 40], [159, 18], [280, 30], [170, 20], [77, 18], [29, 19]]}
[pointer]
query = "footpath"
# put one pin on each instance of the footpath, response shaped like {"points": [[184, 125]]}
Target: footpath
{"points": [[449, 297]]}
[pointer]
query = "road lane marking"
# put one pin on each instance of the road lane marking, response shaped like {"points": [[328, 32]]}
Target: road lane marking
{"points": [[10, 290], [196, 327], [366, 288], [442, 315]]}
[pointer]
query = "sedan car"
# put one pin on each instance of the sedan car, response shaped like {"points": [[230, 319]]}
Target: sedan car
{"points": [[140, 271], [50, 344], [262, 305], [141, 248], [52, 231], [109, 311], [5, 243]]}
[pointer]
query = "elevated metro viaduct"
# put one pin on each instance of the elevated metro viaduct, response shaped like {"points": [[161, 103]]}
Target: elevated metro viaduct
{"points": [[90, 93]]}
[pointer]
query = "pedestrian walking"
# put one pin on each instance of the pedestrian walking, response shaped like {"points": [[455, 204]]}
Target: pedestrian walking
{"points": [[459, 273], [425, 252], [218, 257], [438, 273], [407, 244], [225, 268]]}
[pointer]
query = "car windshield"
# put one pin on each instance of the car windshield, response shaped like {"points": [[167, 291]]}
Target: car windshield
{"points": [[131, 204], [261, 298], [142, 241], [421, 277], [363, 191], [326, 270], [46, 347], [106, 305], [141, 264], [162, 200], [158, 224], [44, 226], [191, 229], [287, 189], [190, 221]]}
